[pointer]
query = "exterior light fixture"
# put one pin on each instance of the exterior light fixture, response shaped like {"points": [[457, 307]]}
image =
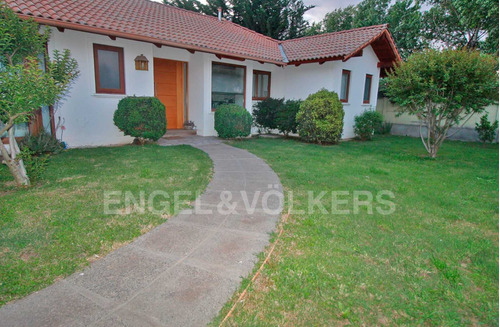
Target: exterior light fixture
{"points": [[141, 62]]}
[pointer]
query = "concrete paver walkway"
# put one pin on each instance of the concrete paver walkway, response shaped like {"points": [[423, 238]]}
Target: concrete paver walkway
{"points": [[179, 274]]}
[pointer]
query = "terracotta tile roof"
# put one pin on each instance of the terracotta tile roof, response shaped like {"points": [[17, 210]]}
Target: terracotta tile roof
{"points": [[337, 44], [157, 21], [163, 24]]}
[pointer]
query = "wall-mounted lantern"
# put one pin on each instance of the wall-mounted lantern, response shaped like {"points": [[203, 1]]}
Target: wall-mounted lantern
{"points": [[141, 62]]}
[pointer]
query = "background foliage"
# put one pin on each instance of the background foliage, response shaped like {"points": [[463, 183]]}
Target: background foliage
{"points": [[279, 19], [416, 25]]}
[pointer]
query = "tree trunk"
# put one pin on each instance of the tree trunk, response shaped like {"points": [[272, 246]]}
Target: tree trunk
{"points": [[434, 138], [433, 151], [16, 167]]}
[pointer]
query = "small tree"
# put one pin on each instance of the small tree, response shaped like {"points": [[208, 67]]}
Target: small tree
{"points": [[24, 85], [486, 130], [443, 88]]}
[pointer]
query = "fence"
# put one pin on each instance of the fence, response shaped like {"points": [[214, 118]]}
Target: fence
{"points": [[409, 125]]}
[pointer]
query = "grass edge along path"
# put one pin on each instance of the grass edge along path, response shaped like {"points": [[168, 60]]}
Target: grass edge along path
{"points": [[59, 226], [433, 262]]}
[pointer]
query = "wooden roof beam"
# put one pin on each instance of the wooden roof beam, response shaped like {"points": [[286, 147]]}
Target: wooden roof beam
{"points": [[229, 57], [318, 60], [385, 64]]}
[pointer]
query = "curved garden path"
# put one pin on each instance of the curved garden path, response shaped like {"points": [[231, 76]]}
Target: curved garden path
{"points": [[179, 274]]}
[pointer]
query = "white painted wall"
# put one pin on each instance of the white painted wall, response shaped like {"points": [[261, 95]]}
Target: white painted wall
{"points": [[88, 117], [306, 79]]}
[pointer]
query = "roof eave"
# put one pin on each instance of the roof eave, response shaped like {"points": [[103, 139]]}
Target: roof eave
{"points": [[391, 42], [136, 37], [320, 60]]}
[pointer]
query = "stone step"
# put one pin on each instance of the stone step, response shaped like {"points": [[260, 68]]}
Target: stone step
{"points": [[179, 133]]}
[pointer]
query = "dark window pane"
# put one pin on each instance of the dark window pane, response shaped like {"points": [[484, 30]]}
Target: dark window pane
{"points": [[109, 69], [228, 85], [254, 88], [265, 86], [368, 85], [261, 85], [343, 87]]}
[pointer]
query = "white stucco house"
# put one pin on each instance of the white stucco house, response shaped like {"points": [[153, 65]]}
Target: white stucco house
{"points": [[194, 63]]}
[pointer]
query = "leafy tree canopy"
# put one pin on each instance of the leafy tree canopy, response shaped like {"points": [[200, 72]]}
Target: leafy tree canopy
{"points": [[404, 17], [416, 25], [279, 19], [463, 23]]}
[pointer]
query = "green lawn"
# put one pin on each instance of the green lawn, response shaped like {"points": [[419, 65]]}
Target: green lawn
{"points": [[434, 261], [59, 226]]}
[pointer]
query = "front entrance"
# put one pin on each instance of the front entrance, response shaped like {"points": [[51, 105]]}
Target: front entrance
{"points": [[170, 78]]}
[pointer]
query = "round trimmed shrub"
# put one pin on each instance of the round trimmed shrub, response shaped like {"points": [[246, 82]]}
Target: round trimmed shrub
{"points": [[141, 117], [232, 120], [321, 118], [367, 123]]}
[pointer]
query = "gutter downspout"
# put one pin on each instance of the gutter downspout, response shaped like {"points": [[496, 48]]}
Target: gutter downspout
{"points": [[283, 54]]}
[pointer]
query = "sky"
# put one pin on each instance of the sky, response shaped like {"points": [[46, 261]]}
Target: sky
{"points": [[324, 6]]}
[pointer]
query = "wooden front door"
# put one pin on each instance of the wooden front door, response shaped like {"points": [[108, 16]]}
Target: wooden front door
{"points": [[169, 79]]}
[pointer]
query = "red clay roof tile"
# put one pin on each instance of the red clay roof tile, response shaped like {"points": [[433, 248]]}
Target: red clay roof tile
{"points": [[336, 44], [169, 25]]}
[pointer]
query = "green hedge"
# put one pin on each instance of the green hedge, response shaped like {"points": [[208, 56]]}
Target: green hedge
{"points": [[141, 117], [265, 113], [321, 118], [286, 118], [277, 114], [232, 121]]}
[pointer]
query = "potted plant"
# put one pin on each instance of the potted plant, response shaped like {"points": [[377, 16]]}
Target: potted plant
{"points": [[189, 124]]}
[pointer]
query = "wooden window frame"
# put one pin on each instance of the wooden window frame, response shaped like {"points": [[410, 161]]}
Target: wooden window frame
{"points": [[347, 86], [368, 76], [121, 67], [244, 81], [261, 72]]}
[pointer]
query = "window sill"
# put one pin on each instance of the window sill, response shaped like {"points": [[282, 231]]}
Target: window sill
{"points": [[109, 95], [346, 104]]}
